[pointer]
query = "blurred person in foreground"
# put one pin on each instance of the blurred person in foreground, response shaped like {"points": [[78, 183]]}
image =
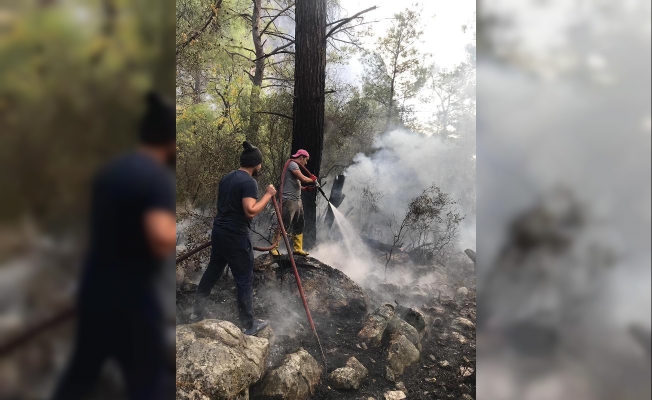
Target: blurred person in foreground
{"points": [[237, 205], [133, 230]]}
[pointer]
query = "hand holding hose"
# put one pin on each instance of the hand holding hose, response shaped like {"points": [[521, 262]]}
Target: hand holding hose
{"points": [[271, 190]]}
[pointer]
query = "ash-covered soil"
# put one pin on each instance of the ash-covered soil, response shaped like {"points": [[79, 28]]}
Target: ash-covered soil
{"points": [[446, 368]]}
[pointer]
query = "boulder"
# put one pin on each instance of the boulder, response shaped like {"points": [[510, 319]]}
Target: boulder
{"points": [[215, 360], [328, 290], [459, 337], [375, 324], [397, 326], [267, 333], [265, 262], [400, 355], [349, 377], [295, 379], [415, 318], [395, 395], [462, 324], [461, 295]]}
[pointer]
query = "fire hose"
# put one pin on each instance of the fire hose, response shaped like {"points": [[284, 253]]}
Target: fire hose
{"points": [[69, 312], [280, 204], [296, 275]]}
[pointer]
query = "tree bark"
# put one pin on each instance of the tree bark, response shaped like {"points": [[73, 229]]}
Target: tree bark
{"points": [[308, 107], [197, 86], [257, 80]]}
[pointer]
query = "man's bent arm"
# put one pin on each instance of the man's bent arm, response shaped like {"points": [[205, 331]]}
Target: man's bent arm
{"points": [[301, 176], [161, 232], [253, 208]]}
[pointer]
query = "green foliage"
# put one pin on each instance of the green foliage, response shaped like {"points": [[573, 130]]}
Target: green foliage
{"points": [[395, 71], [72, 80]]}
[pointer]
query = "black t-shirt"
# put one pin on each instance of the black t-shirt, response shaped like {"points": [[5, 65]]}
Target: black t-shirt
{"points": [[234, 187], [120, 263]]}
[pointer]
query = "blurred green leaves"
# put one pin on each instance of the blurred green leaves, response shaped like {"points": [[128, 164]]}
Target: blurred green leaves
{"points": [[72, 79]]}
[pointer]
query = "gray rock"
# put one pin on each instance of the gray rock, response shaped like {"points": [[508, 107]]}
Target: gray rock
{"points": [[461, 294], [397, 326], [267, 333], [215, 360], [375, 324], [462, 324], [437, 310], [415, 318], [459, 337], [349, 377], [400, 355], [295, 379], [328, 290], [395, 395]]}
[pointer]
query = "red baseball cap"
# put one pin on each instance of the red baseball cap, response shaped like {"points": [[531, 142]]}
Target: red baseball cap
{"points": [[300, 153]]}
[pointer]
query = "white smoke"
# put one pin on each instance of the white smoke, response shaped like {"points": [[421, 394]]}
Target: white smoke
{"points": [[403, 165]]}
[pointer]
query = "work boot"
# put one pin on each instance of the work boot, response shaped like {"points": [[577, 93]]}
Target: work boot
{"points": [[297, 244], [257, 326]]}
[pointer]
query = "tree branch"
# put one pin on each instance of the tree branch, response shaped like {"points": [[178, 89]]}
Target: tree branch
{"points": [[279, 35], [238, 54], [241, 48], [278, 50], [274, 113], [349, 19], [275, 85], [249, 74], [269, 78], [274, 18], [195, 35]]}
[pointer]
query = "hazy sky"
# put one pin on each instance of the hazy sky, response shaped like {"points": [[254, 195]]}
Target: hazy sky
{"points": [[441, 19]]}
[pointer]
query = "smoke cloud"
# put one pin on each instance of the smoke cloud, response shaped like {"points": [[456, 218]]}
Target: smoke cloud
{"points": [[402, 165]]}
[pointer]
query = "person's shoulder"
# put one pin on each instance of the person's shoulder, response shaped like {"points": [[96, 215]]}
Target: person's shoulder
{"points": [[293, 165], [246, 179], [140, 169], [114, 168]]}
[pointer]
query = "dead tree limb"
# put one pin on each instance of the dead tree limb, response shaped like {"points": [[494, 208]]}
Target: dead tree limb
{"points": [[347, 20]]}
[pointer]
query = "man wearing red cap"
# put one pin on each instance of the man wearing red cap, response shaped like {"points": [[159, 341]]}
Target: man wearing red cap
{"points": [[292, 205]]}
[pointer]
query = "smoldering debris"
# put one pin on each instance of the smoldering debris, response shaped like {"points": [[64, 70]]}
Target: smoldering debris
{"points": [[339, 306]]}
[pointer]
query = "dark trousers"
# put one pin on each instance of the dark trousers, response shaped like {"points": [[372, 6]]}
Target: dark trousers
{"points": [[133, 337], [236, 252]]}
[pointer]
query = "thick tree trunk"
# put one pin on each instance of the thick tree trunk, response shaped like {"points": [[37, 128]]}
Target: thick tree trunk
{"points": [[257, 80], [308, 109]]}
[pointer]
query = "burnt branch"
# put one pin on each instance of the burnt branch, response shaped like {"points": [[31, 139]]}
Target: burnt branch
{"points": [[345, 21]]}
